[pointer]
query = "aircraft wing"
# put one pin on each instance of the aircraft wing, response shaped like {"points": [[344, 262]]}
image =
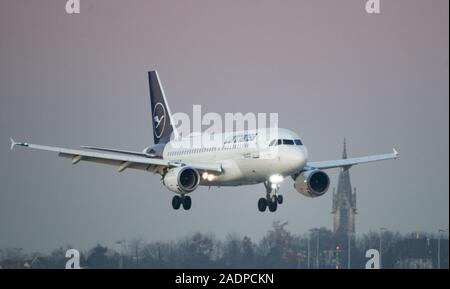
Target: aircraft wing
{"points": [[347, 163], [121, 161], [118, 151]]}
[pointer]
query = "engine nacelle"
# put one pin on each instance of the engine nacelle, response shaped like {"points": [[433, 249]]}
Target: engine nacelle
{"points": [[312, 183], [182, 180]]}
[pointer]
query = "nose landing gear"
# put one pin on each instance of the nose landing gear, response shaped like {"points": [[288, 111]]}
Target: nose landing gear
{"points": [[272, 199], [177, 201], [280, 199]]}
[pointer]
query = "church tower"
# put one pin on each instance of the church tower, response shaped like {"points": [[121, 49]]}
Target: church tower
{"points": [[344, 204]]}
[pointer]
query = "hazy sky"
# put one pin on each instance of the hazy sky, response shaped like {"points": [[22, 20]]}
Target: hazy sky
{"points": [[329, 69]]}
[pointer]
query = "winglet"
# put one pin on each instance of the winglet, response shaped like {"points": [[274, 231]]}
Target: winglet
{"points": [[13, 143], [395, 152]]}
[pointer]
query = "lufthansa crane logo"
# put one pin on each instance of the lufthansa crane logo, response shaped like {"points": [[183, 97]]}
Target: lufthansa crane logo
{"points": [[159, 119]]}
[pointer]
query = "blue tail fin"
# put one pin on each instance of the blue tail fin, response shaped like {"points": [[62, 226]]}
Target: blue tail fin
{"points": [[161, 116]]}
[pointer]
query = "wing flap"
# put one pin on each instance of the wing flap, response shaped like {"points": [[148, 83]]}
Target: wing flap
{"points": [[119, 164], [126, 152]]}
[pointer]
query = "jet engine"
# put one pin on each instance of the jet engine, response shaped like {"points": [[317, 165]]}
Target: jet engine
{"points": [[182, 180], [312, 183]]}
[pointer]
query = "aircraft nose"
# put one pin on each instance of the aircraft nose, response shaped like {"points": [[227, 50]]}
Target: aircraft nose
{"points": [[300, 157], [297, 157]]}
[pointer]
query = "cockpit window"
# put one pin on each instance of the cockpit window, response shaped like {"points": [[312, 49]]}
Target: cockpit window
{"points": [[288, 142], [285, 142]]}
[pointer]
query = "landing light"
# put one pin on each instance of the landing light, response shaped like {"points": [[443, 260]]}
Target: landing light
{"points": [[208, 177], [276, 179]]}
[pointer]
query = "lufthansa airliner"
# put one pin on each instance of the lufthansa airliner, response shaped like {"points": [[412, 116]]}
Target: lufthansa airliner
{"points": [[231, 159]]}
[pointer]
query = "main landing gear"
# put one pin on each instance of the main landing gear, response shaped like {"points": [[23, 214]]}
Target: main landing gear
{"points": [[177, 201], [272, 199]]}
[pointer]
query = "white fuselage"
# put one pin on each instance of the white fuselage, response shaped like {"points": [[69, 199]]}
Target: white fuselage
{"points": [[247, 157]]}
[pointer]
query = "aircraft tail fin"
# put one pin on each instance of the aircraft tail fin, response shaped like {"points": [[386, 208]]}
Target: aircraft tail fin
{"points": [[162, 121]]}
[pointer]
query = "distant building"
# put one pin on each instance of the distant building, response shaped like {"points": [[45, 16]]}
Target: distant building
{"points": [[344, 203], [344, 211], [414, 263], [416, 252]]}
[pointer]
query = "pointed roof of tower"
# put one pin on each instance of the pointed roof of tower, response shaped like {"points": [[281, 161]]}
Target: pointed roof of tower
{"points": [[344, 201], [344, 186], [344, 152]]}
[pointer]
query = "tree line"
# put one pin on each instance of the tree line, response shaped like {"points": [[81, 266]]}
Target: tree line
{"points": [[279, 248]]}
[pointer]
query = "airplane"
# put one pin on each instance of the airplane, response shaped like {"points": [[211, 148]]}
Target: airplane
{"points": [[230, 162]]}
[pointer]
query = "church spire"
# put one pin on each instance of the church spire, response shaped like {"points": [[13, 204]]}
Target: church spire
{"points": [[344, 153], [344, 202]]}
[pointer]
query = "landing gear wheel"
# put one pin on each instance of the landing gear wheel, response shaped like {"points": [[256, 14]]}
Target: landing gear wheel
{"points": [[187, 202], [273, 206], [262, 204], [280, 199], [176, 202]]}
